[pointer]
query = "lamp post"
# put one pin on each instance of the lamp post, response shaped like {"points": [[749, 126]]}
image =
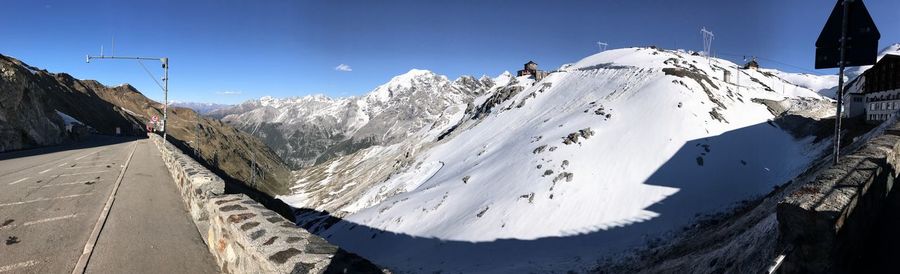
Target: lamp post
{"points": [[165, 66]]}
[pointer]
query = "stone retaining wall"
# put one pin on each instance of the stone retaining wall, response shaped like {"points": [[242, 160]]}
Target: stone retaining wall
{"points": [[246, 237], [827, 219]]}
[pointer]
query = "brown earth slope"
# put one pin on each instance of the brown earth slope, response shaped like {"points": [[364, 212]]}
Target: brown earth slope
{"points": [[29, 99]]}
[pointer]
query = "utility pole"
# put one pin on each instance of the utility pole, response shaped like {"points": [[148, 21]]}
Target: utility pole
{"points": [[840, 91], [846, 42], [197, 136], [165, 66], [253, 157]]}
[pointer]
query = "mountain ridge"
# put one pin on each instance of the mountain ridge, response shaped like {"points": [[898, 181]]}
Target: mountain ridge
{"points": [[311, 129], [48, 96]]}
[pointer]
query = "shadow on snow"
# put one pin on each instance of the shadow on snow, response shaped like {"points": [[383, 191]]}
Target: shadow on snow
{"points": [[711, 174]]}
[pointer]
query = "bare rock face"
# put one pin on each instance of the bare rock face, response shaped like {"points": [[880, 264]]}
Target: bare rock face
{"points": [[24, 120]]}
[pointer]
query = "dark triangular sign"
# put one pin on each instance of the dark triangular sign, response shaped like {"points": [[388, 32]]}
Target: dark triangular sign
{"points": [[862, 37]]}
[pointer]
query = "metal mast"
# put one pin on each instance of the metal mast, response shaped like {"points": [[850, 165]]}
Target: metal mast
{"points": [[707, 42], [165, 66]]}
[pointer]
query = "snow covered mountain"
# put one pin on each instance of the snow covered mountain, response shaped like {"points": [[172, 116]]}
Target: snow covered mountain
{"points": [[311, 129], [605, 155], [822, 84]]}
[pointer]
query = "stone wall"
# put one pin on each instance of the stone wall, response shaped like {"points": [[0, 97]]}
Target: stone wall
{"points": [[826, 220], [246, 237]]}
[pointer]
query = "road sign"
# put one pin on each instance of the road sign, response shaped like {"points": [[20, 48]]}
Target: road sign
{"points": [[849, 38], [862, 37], [154, 118]]}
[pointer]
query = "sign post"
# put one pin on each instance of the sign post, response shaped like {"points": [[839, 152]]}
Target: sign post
{"points": [[849, 38]]}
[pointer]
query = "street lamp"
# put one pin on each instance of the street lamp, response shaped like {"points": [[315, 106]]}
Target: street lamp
{"points": [[165, 66]]}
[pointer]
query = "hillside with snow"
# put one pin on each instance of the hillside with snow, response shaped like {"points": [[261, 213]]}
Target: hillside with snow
{"points": [[825, 85], [613, 152]]}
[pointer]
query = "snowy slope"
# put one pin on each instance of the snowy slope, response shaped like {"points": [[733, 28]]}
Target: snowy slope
{"points": [[822, 84], [67, 120], [613, 151]]}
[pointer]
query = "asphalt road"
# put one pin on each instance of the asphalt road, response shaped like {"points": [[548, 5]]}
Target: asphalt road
{"points": [[51, 199]]}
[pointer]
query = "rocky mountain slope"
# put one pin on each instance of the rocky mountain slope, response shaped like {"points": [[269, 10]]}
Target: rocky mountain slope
{"points": [[34, 102], [309, 130], [611, 153]]}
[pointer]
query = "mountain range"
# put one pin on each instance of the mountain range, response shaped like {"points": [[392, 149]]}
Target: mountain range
{"points": [[309, 130]]}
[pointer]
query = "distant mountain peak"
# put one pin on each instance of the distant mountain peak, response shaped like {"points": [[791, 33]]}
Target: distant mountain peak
{"points": [[199, 107]]}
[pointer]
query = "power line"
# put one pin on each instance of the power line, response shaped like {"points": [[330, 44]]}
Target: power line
{"points": [[151, 75], [786, 64], [770, 60]]}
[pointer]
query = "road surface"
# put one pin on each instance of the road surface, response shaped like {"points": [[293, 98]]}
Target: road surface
{"points": [[52, 203]]}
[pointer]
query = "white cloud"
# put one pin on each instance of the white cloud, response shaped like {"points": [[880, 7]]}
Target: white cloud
{"points": [[343, 67], [228, 93]]}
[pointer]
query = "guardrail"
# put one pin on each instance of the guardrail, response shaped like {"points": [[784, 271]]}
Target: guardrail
{"points": [[825, 221], [246, 237]]}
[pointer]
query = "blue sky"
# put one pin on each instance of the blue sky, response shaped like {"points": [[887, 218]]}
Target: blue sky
{"points": [[231, 51]]}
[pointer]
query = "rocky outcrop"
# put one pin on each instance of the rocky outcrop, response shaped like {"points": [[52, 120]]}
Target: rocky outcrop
{"points": [[573, 137], [25, 120], [243, 235]]}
